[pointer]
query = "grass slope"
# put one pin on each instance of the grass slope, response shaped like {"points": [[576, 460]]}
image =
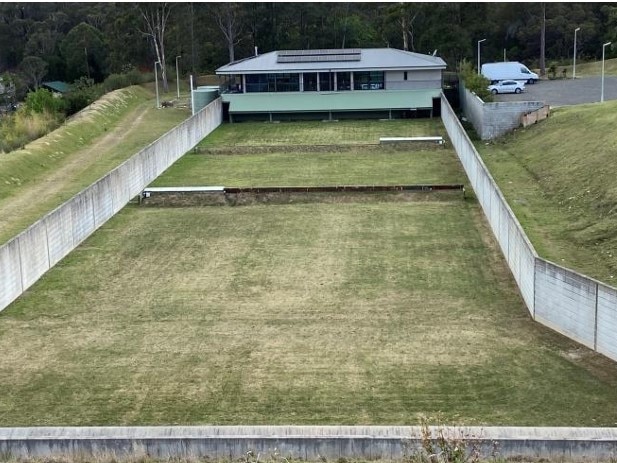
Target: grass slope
{"points": [[294, 314], [559, 177], [50, 170]]}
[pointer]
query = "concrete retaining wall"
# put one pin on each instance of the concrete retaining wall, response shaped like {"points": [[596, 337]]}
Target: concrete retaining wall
{"points": [[25, 258], [491, 120], [575, 305], [309, 443], [512, 240]]}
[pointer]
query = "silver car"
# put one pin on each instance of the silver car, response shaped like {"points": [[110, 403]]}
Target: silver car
{"points": [[507, 86]]}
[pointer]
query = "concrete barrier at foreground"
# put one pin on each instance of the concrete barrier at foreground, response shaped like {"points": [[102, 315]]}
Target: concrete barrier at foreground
{"points": [[311, 443]]}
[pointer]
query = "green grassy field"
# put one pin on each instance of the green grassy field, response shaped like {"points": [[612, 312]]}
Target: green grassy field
{"points": [[336, 165], [348, 313], [361, 166], [559, 178], [295, 314], [52, 169]]}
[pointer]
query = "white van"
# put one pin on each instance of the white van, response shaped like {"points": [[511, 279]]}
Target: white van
{"points": [[508, 70]]}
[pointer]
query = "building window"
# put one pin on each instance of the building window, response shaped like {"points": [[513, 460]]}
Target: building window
{"points": [[256, 83], [326, 81], [287, 82], [373, 80], [405, 75], [310, 82], [343, 81]]}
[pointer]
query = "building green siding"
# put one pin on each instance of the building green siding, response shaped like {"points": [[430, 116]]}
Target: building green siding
{"points": [[330, 101]]}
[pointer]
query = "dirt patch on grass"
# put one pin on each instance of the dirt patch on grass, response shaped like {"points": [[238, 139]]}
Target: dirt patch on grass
{"points": [[331, 148], [180, 199]]}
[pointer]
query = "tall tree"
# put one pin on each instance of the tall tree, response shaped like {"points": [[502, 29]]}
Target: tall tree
{"points": [[229, 20], [543, 42], [155, 18], [33, 69], [85, 53]]}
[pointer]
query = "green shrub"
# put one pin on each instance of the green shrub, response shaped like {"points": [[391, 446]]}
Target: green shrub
{"points": [[43, 100], [20, 128], [83, 93], [116, 81], [475, 82]]}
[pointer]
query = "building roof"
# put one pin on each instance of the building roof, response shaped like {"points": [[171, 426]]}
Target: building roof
{"points": [[364, 59], [330, 101], [57, 86]]}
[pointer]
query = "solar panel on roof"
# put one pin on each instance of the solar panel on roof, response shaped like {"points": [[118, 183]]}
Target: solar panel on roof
{"points": [[318, 56]]}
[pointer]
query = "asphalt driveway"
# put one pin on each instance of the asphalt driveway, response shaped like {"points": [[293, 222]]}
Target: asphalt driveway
{"points": [[566, 91]]}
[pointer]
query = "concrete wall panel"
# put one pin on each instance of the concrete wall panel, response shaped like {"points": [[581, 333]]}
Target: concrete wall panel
{"points": [[495, 212], [566, 302], [310, 443], [59, 226], [102, 200], [516, 248], [82, 216], [10, 273], [33, 254], [119, 183], [527, 283], [491, 120], [134, 172], [606, 339], [504, 229]]}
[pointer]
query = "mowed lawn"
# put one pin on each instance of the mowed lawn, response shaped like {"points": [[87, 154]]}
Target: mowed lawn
{"points": [[318, 133], [349, 164], [357, 167], [291, 314], [320, 313]]}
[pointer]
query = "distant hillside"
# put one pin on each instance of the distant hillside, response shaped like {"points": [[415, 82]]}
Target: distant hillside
{"points": [[560, 177]]}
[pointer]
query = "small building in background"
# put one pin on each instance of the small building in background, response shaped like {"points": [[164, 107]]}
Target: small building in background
{"points": [[332, 84], [57, 87]]}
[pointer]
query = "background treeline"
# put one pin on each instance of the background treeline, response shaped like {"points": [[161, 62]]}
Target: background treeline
{"points": [[66, 41]]}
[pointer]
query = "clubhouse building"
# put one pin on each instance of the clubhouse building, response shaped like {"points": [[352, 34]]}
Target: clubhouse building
{"points": [[332, 84]]}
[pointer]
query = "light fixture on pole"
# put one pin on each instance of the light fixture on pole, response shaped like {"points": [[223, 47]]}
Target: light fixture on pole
{"points": [[479, 42], [574, 61], [178, 76], [156, 84], [603, 48]]}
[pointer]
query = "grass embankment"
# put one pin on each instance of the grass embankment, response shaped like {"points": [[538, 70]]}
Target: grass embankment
{"points": [[294, 314], [50, 170], [334, 166], [593, 68], [559, 178]]}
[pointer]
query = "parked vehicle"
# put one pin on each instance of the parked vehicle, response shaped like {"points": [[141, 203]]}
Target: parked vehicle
{"points": [[508, 70], [507, 86]]}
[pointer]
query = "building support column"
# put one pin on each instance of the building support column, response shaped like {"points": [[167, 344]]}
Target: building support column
{"points": [[243, 83], [301, 83], [351, 81]]}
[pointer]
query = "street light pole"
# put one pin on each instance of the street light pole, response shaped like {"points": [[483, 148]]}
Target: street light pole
{"points": [[603, 48], [178, 76], [156, 83], [574, 61], [479, 42]]}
